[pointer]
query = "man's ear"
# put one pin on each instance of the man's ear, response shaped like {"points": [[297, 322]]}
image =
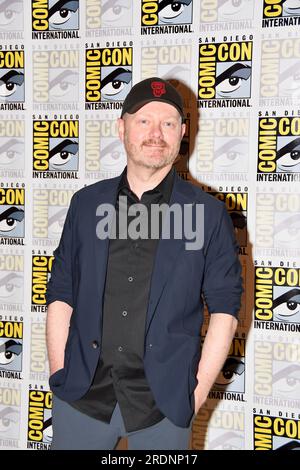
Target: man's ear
{"points": [[121, 128], [183, 127]]}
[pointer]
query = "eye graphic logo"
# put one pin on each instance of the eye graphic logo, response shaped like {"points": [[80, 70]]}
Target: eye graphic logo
{"points": [[287, 229], [231, 155], [225, 72], [277, 294], [286, 381], [232, 375], [275, 433], [12, 146], [11, 287], [12, 213], [230, 440], [116, 83], [12, 86], [226, 10], [278, 147], [55, 15], [112, 155], [11, 15], [233, 81], [9, 422], [281, 8], [12, 153], [166, 12], [116, 13], [63, 155], [39, 419], [55, 145], [281, 443], [11, 345], [108, 76], [286, 305], [63, 86]]}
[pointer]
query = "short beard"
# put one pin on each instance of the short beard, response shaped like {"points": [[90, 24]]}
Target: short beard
{"points": [[156, 165], [168, 160]]}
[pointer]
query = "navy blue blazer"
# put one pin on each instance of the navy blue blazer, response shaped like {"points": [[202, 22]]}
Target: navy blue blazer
{"points": [[180, 280]]}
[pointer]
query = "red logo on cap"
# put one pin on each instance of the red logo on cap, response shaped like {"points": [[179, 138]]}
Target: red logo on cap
{"points": [[158, 89]]}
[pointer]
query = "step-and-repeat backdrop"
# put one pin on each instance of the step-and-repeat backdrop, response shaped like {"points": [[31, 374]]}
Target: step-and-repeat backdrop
{"points": [[65, 69]]}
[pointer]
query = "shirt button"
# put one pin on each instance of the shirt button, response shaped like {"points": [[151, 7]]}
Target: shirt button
{"points": [[124, 313], [120, 349], [130, 279], [95, 344]]}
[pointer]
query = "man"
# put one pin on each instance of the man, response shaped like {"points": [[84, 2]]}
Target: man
{"points": [[125, 313]]}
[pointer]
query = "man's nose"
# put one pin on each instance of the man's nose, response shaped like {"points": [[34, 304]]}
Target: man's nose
{"points": [[156, 130]]}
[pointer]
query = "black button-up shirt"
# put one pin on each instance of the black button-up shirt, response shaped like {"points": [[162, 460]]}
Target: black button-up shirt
{"points": [[120, 373]]}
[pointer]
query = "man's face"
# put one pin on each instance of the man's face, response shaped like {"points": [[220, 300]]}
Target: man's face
{"points": [[152, 135]]}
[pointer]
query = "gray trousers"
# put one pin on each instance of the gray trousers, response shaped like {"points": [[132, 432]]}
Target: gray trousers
{"points": [[73, 430]]}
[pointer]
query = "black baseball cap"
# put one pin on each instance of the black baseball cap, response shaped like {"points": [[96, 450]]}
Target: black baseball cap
{"points": [[152, 89]]}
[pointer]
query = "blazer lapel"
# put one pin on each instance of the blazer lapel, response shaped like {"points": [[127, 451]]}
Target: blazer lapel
{"points": [[108, 195], [167, 251]]}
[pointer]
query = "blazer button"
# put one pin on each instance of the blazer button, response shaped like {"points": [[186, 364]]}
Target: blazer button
{"points": [[95, 344]]}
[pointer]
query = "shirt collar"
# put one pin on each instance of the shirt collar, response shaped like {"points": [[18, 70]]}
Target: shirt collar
{"points": [[164, 187]]}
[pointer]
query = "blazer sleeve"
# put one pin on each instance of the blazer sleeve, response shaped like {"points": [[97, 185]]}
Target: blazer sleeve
{"points": [[222, 285], [60, 284]]}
